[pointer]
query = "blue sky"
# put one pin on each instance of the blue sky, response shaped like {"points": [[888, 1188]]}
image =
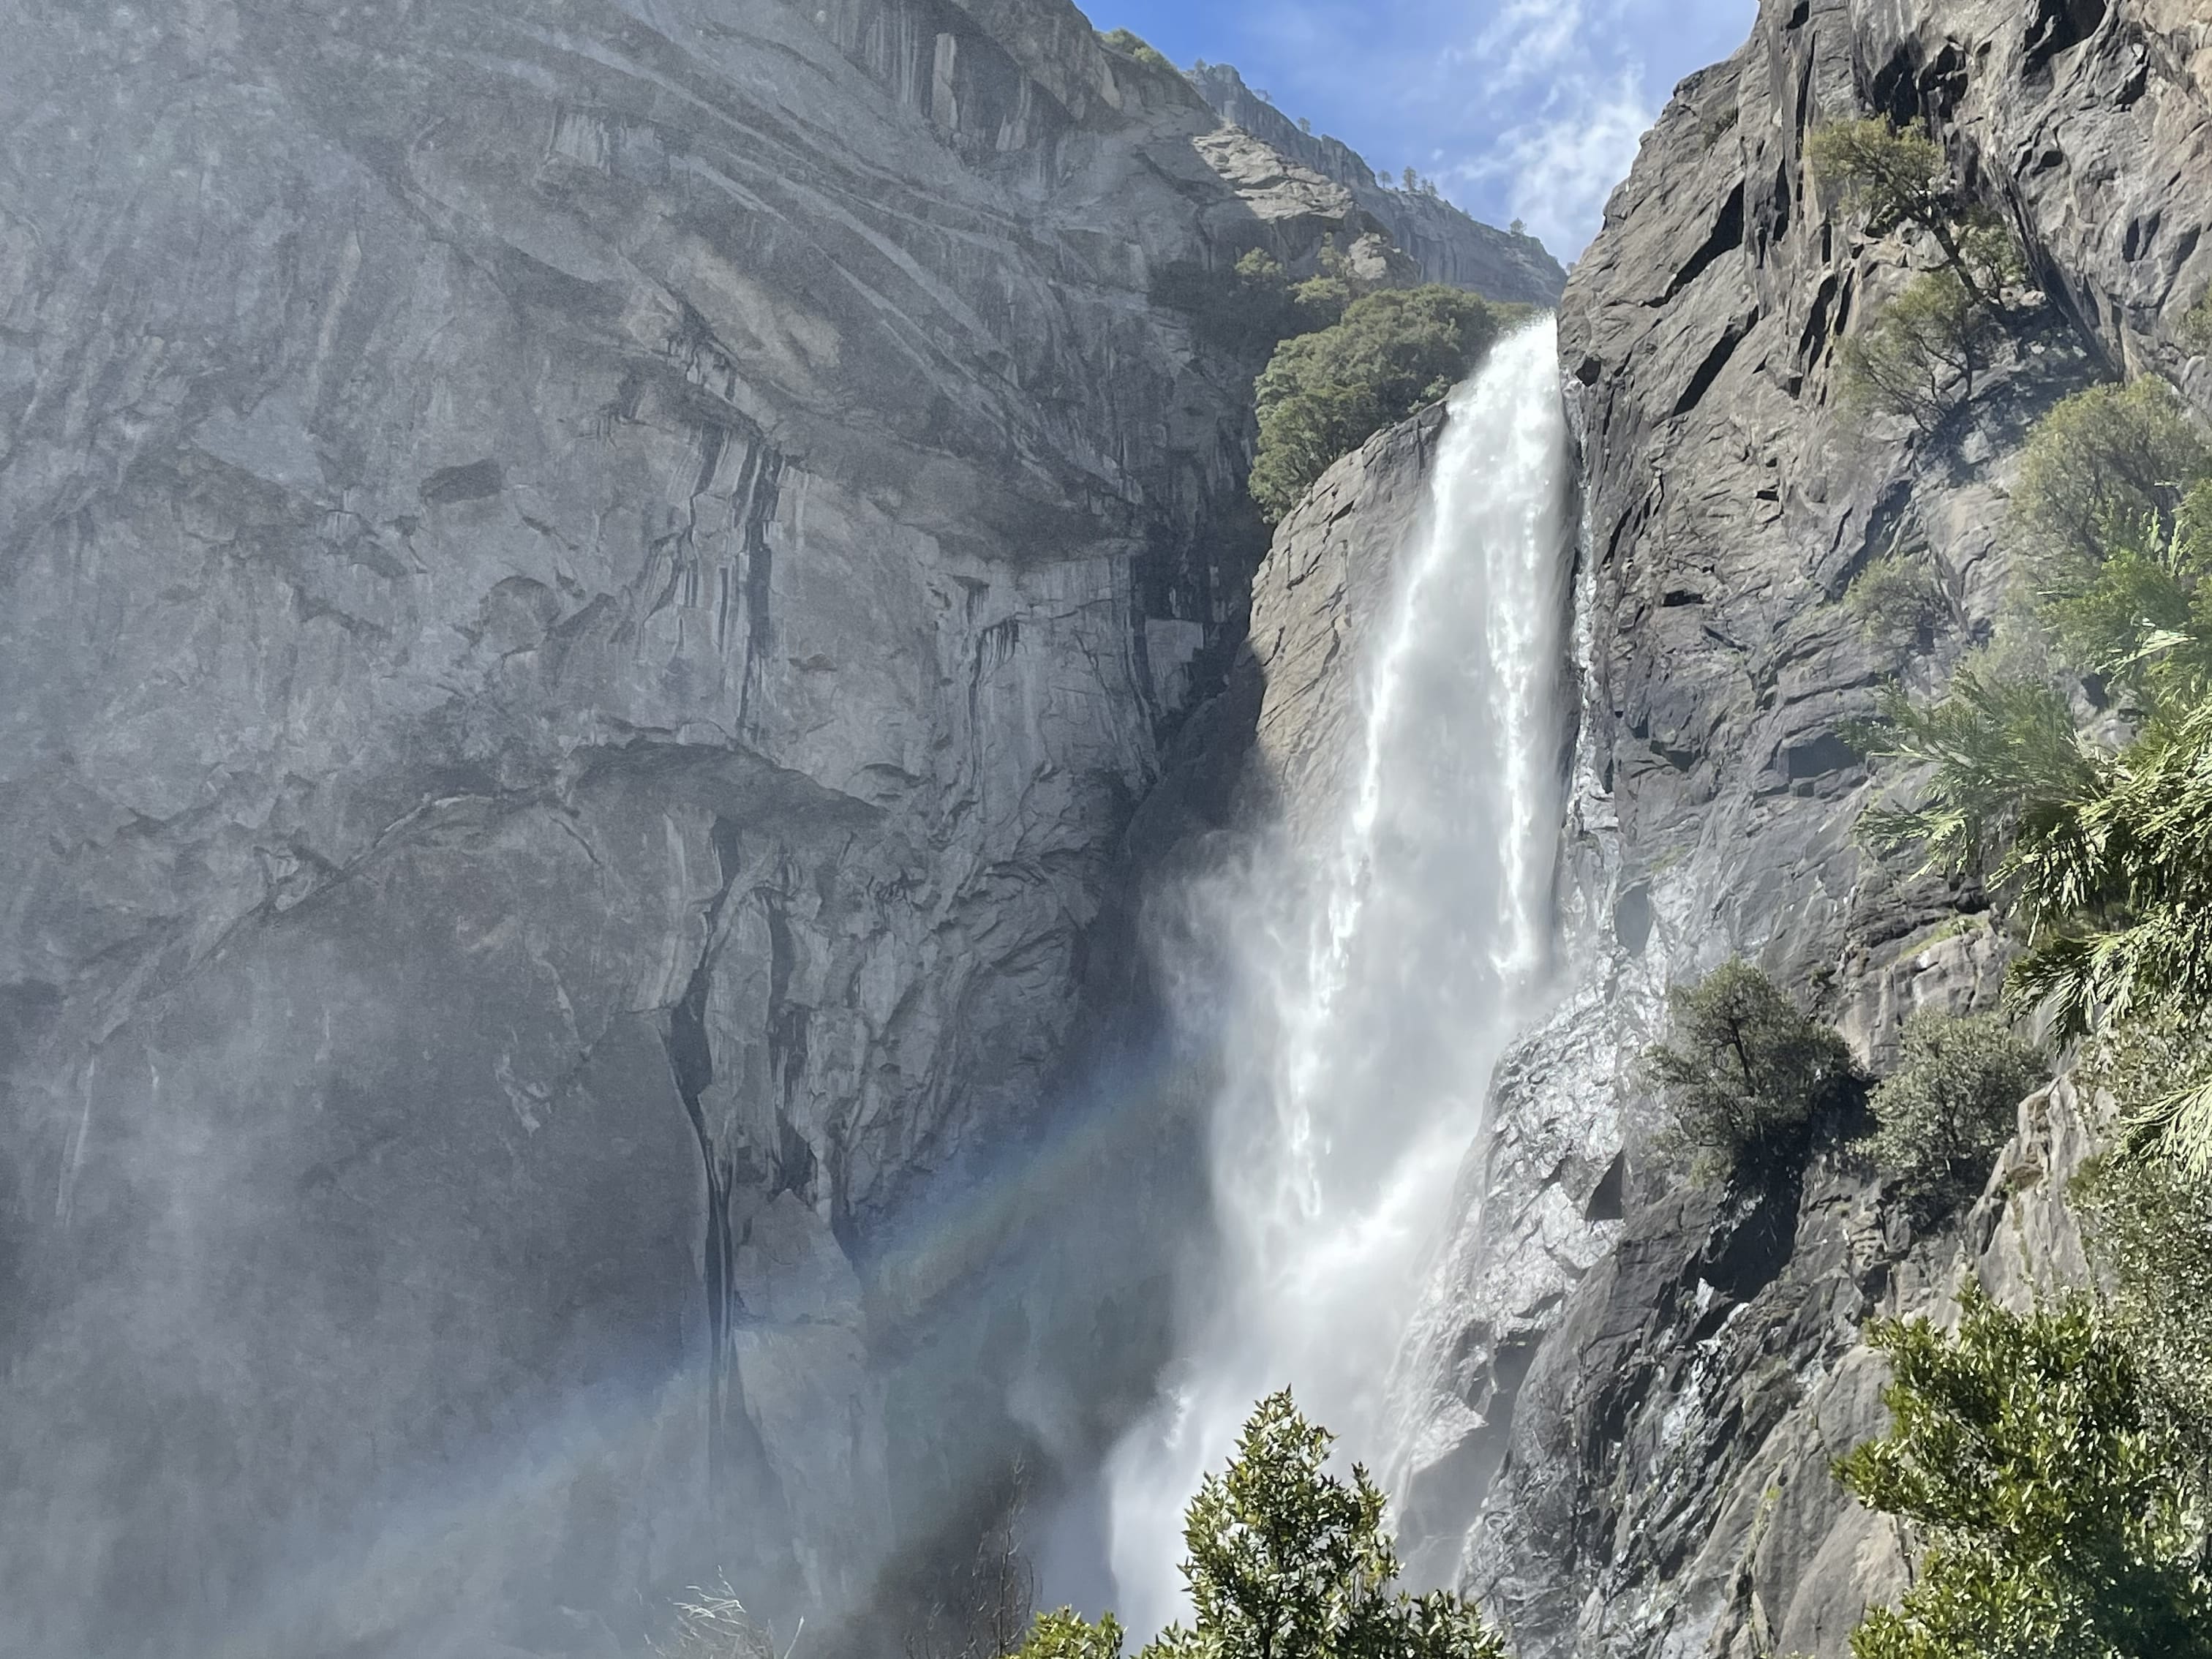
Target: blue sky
{"points": [[1525, 109]]}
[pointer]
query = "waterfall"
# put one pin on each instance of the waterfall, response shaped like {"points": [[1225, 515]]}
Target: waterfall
{"points": [[1380, 969]]}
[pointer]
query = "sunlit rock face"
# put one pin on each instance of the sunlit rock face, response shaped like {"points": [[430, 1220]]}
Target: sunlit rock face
{"points": [[1443, 243], [589, 589], [1620, 1397]]}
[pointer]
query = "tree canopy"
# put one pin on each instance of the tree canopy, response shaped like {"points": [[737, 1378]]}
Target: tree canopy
{"points": [[2026, 1451], [1286, 1561], [1325, 393], [1746, 1076]]}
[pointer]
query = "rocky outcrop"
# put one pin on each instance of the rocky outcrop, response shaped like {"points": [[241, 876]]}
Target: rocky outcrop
{"points": [[1443, 242], [590, 589], [1625, 1393]]}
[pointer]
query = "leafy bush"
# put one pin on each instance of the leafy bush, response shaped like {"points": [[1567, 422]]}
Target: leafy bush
{"points": [[1324, 394], [1920, 356], [1941, 1116], [1745, 1077], [2100, 467], [1130, 45], [1898, 177], [1896, 600], [2197, 323], [2149, 1229], [1287, 1561], [2052, 1495]]}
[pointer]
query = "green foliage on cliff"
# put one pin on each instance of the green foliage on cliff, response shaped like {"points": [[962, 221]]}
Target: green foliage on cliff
{"points": [[2148, 1227], [1325, 393], [2106, 472], [2196, 324], [1131, 44], [1286, 1561], [1919, 355], [2052, 1494], [2101, 849], [1747, 1079], [1896, 601], [1950, 1104]]}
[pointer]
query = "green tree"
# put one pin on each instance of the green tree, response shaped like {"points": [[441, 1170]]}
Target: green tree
{"points": [[1921, 354], [1323, 394], [1132, 44], [1895, 177], [2059, 1526], [1286, 1561], [1941, 1116], [1896, 600], [1745, 1077], [2196, 324], [2148, 1227], [2099, 468]]}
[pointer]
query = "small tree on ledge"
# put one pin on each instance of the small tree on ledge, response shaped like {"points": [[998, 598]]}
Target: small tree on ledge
{"points": [[1286, 1561]]}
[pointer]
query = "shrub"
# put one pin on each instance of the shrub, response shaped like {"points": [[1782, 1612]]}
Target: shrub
{"points": [[1941, 1116], [1898, 177], [1251, 307], [1919, 356], [1323, 394], [2196, 324], [2149, 1230], [1747, 1078], [1286, 1561], [1130, 45], [2099, 466], [1896, 601], [2052, 1497]]}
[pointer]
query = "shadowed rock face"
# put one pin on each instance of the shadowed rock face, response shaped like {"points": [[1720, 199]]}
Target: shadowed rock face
{"points": [[589, 589]]}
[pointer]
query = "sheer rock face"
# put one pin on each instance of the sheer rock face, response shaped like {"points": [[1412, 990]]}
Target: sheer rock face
{"points": [[1445, 243], [1620, 1396], [589, 589]]}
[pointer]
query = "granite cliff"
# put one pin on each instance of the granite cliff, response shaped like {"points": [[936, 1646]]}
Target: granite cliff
{"points": [[1620, 1398], [590, 587], [1447, 244]]}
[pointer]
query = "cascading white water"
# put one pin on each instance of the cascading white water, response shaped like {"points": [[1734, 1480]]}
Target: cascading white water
{"points": [[1381, 972]]}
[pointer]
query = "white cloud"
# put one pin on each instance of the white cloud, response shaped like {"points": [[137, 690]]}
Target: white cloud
{"points": [[1559, 164]]}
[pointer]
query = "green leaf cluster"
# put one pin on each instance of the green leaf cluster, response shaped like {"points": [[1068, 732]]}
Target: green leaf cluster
{"points": [[1248, 308], [1951, 1102], [1919, 354], [1896, 601], [1132, 44], [2196, 324], [2027, 1451], [2148, 1227], [1286, 1561], [2106, 470], [1325, 393], [2102, 850], [1747, 1079]]}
